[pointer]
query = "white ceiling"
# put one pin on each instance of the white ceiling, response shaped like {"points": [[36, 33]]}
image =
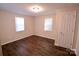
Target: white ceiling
{"points": [[24, 8]]}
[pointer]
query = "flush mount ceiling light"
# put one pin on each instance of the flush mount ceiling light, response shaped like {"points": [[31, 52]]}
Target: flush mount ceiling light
{"points": [[36, 9]]}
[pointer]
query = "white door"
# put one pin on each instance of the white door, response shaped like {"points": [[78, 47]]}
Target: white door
{"points": [[66, 32]]}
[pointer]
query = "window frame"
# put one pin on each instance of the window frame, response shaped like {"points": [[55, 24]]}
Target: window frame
{"points": [[19, 30], [51, 25]]}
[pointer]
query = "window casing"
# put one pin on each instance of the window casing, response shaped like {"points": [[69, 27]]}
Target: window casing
{"points": [[19, 24], [48, 24]]}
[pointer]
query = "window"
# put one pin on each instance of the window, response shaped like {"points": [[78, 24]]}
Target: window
{"points": [[19, 23], [48, 24]]}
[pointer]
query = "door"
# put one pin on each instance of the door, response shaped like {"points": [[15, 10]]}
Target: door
{"points": [[66, 32]]}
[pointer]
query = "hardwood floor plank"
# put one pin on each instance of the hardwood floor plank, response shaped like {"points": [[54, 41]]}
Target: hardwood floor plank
{"points": [[34, 46]]}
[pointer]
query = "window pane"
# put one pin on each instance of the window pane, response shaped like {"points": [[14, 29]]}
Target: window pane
{"points": [[48, 24], [19, 23]]}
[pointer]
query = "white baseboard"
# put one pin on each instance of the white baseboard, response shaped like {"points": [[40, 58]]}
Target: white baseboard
{"points": [[74, 51], [45, 37], [56, 44], [9, 41], [13, 40], [71, 49]]}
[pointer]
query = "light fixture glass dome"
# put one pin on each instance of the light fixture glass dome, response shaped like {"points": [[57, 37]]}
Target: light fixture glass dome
{"points": [[36, 9]]}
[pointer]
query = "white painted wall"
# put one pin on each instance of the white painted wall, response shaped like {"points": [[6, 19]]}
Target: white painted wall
{"points": [[0, 40], [0, 50], [33, 26], [7, 27], [77, 35], [39, 27]]}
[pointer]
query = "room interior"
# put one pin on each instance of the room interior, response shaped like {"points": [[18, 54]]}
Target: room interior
{"points": [[39, 29]]}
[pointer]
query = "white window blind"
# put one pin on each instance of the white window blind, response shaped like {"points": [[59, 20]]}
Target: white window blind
{"points": [[19, 23], [48, 24]]}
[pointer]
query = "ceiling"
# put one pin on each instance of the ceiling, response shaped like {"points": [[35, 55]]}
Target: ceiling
{"points": [[24, 8]]}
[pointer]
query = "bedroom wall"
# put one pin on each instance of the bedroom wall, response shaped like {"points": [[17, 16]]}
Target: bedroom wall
{"points": [[77, 35], [39, 24], [39, 27], [7, 27], [0, 50], [33, 26]]}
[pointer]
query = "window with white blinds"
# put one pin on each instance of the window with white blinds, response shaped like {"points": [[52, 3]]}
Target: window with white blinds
{"points": [[48, 24], [19, 24]]}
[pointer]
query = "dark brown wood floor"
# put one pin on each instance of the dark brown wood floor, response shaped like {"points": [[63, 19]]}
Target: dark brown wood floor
{"points": [[34, 46]]}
